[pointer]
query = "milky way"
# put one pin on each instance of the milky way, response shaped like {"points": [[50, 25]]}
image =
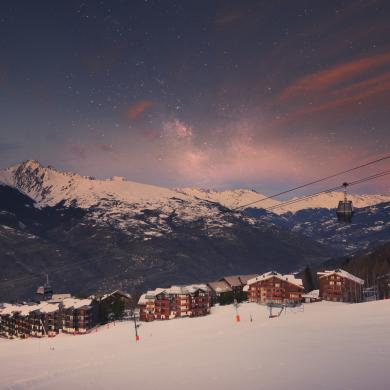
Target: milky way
{"points": [[222, 94]]}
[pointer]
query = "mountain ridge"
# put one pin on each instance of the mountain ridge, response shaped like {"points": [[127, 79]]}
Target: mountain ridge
{"points": [[49, 186], [115, 243]]}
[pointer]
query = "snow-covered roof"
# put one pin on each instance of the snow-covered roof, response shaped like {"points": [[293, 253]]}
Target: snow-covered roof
{"points": [[244, 278], [120, 292], [192, 288], [59, 297], [142, 300], [76, 303], [220, 286], [9, 309], [233, 280], [26, 309], [151, 294], [272, 274], [49, 308], [173, 290], [342, 273]]}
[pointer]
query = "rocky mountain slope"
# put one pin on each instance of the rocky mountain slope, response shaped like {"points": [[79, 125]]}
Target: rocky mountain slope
{"points": [[370, 226], [90, 234], [93, 234]]}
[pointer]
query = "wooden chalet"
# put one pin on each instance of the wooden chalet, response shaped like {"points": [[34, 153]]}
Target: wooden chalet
{"points": [[237, 282], [275, 288], [71, 315], [220, 290], [116, 295], [114, 305], [175, 302], [78, 315], [36, 320], [340, 286], [200, 301]]}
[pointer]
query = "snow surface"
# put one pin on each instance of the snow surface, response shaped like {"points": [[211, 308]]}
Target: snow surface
{"points": [[328, 346]]}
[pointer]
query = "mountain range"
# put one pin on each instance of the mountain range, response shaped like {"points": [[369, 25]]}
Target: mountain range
{"points": [[90, 234]]}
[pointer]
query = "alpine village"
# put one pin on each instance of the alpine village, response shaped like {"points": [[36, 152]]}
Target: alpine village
{"points": [[50, 314]]}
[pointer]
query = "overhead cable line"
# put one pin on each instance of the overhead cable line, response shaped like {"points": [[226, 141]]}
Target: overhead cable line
{"points": [[69, 267], [313, 182], [352, 183]]}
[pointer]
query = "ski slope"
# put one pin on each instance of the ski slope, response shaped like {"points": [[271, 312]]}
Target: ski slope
{"points": [[327, 346]]}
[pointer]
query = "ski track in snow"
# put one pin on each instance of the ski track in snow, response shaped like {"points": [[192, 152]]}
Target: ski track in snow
{"points": [[328, 346]]}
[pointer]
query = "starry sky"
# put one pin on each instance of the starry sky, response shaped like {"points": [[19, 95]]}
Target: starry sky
{"points": [[206, 93]]}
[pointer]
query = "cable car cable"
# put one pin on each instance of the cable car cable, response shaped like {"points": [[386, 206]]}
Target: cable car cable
{"points": [[359, 181], [68, 267], [313, 182]]}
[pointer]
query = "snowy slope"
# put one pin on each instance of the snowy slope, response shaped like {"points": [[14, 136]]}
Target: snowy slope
{"points": [[118, 244], [237, 198], [140, 209], [231, 198], [327, 346], [48, 186]]}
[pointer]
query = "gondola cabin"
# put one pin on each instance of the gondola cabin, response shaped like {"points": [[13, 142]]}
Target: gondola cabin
{"points": [[344, 210]]}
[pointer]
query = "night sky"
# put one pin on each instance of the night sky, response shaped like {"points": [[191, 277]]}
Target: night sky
{"points": [[221, 94]]}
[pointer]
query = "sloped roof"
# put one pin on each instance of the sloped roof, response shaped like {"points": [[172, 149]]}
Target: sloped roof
{"points": [[192, 288], [9, 309], [49, 308], [152, 293], [273, 274], [142, 299], [219, 286], [119, 292], [26, 309], [173, 290], [233, 280], [76, 303], [59, 297], [342, 273], [244, 278]]}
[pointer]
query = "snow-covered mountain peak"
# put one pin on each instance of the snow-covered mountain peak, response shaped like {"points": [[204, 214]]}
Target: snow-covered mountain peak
{"points": [[230, 198], [49, 186], [241, 198]]}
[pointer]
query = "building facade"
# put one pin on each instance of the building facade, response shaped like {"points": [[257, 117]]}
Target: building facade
{"points": [[175, 302], [383, 286], [275, 288], [340, 286], [71, 315]]}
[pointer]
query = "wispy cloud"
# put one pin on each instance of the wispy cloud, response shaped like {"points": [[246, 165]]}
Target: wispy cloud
{"points": [[138, 108], [336, 75]]}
